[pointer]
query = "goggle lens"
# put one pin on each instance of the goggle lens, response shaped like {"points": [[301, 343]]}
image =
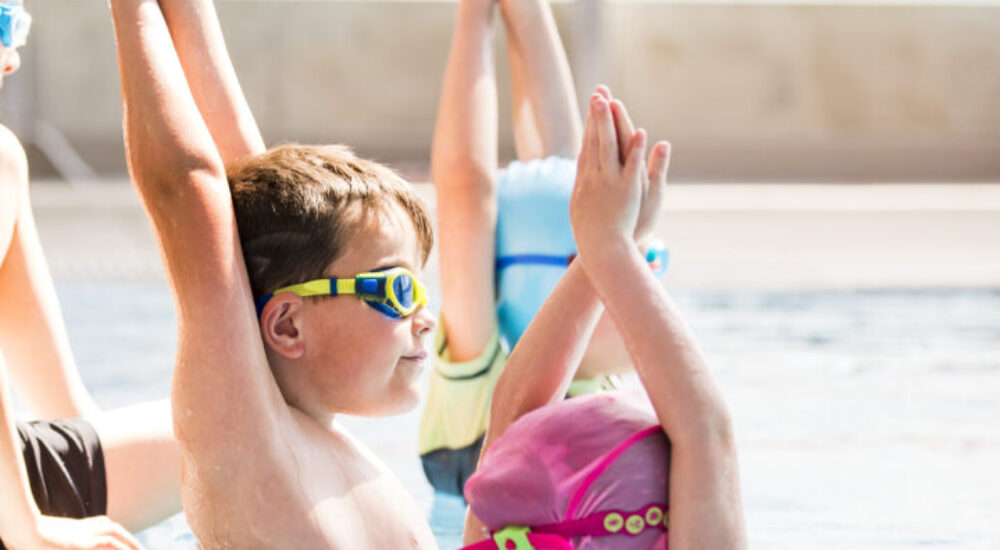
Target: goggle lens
{"points": [[402, 287]]}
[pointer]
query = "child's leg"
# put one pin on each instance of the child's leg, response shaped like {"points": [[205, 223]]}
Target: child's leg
{"points": [[32, 333], [463, 166], [142, 462], [546, 114]]}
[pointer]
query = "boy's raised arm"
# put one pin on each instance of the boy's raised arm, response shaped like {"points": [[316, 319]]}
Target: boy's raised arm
{"points": [[223, 391], [197, 36], [705, 506]]}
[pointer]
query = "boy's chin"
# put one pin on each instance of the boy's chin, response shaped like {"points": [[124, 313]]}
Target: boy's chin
{"points": [[400, 402]]}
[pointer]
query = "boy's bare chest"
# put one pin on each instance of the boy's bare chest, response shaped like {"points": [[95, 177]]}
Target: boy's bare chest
{"points": [[359, 498], [333, 493]]}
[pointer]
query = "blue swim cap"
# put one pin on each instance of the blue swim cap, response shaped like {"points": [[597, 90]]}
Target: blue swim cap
{"points": [[534, 239]]}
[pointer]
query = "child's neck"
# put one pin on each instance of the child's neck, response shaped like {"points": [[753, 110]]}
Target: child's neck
{"points": [[316, 415]]}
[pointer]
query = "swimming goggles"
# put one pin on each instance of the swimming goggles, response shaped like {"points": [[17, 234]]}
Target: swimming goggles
{"points": [[558, 536], [15, 23], [395, 292], [657, 256]]}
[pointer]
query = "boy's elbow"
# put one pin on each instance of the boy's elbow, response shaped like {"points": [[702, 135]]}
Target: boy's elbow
{"points": [[166, 165], [459, 174], [181, 179]]}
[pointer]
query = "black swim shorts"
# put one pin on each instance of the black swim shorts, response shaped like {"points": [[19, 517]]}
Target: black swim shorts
{"points": [[65, 465]]}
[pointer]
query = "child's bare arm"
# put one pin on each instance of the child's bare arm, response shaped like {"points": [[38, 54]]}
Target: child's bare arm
{"points": [[32, 332], [544, 361], [463, 167], [547, 356], [706, 511], [21, 523], [225, 401], [197, 36]]}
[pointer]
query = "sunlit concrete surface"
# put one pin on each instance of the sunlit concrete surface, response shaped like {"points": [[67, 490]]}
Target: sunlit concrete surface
{"points": [[720, 236]]}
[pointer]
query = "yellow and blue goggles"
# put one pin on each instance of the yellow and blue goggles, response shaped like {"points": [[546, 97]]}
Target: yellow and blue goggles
{"points": [[395, 292], [15, 23]]}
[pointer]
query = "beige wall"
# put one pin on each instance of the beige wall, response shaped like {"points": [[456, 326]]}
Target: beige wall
{"points": [[772, 91]]}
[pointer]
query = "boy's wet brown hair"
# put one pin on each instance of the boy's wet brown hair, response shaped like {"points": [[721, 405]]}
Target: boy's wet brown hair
{"points": [[297, 206]]}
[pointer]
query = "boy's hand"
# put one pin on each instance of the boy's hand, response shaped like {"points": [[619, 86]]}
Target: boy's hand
{"points": [[96, 533], [607, 198]]}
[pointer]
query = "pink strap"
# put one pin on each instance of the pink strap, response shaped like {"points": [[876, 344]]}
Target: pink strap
{"points": [[538, 542], [603, 465]]}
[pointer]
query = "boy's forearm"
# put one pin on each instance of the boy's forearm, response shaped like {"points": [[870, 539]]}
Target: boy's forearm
{"points": [[166, 139], [18, 511], [201, 48], [665, 354], [547, 355]]}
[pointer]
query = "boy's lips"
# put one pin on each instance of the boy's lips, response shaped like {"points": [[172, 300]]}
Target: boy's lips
{"points": [[419, 357]]}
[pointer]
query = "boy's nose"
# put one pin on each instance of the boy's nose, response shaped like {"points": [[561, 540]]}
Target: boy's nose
{"points": [[423, 321]]}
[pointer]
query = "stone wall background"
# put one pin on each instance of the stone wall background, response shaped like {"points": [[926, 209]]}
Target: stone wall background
{"points": [[745, 91]]}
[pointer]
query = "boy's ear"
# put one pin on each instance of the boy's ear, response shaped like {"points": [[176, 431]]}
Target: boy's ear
{"points": [[279, 325]]}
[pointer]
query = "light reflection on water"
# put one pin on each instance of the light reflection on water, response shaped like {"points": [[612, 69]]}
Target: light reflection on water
{"points": [[864, 419]]}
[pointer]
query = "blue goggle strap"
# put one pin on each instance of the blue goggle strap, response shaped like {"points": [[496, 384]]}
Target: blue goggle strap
{"points": [[657, 258]]}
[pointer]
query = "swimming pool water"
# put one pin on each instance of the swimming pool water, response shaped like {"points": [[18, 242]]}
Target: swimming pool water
{"points": [[867, 420]]}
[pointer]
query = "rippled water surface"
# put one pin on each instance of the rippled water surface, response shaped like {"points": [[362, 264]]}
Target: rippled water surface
{"points": [[864, 419]]}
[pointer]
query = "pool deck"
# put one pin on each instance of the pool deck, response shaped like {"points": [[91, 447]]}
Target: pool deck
{"points": [[754, 236]]}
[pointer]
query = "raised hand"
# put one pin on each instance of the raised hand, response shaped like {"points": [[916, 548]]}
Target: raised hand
{"points": [[611, 180], [653, 191], [656, 179]]}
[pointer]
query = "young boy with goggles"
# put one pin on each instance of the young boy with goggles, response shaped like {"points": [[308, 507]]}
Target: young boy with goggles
{"points": [[505, 237], [78, 477], [329, 246]]}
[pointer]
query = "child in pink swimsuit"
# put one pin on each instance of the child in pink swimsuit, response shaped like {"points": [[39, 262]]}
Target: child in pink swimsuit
{"points": [[592, 472]]}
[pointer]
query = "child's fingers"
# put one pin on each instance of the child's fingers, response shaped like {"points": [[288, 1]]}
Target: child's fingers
{"points": [[635, 166], [591, 142], [604, 91], [659, 163], [607, 135], [623, 123]]}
